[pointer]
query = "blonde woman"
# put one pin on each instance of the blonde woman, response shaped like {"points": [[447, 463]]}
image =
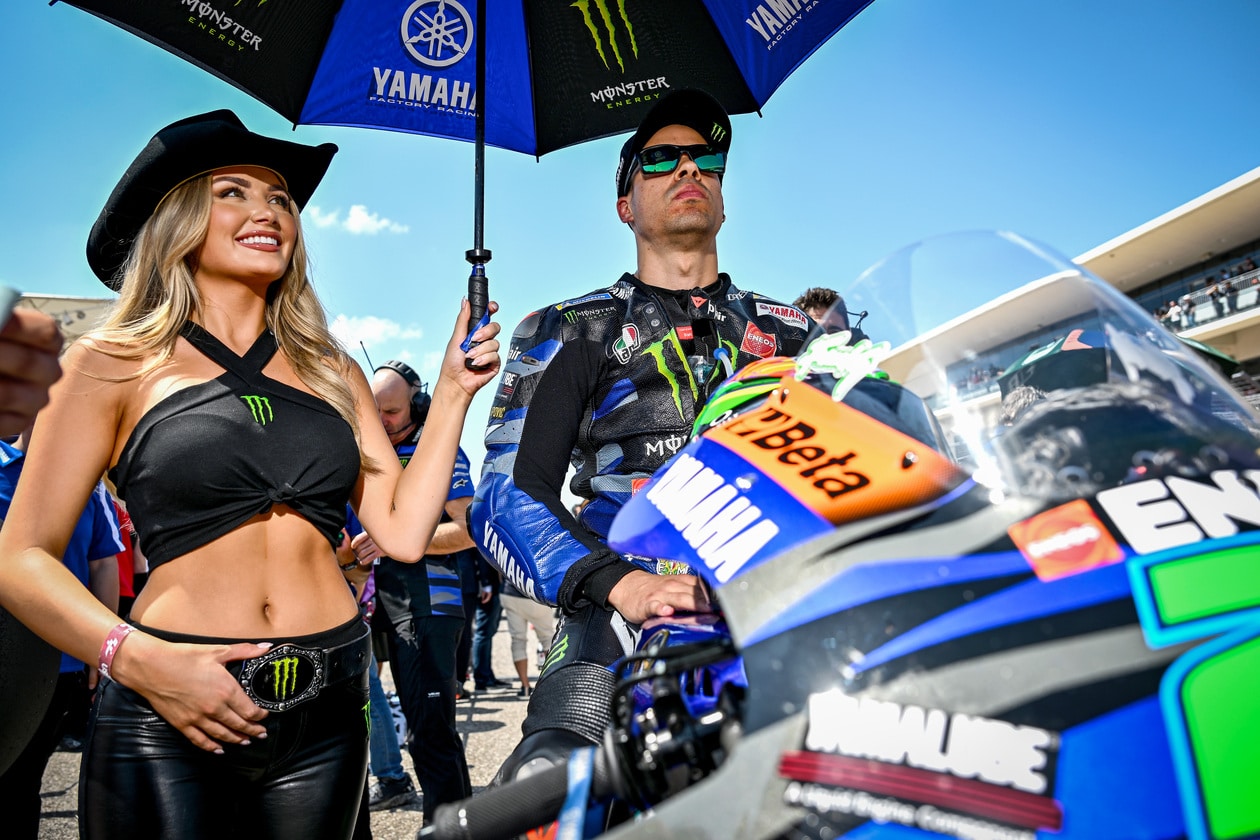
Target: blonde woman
{"points": [[235, 429]]}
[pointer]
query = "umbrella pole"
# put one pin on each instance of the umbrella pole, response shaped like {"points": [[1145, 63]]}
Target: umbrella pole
{"points": [[478, 284]]}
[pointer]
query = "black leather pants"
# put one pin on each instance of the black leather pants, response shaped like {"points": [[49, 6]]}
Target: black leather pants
{"points": [[141, 778]]}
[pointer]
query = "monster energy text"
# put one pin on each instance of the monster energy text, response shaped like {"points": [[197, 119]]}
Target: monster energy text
{"points": [[221, 25], [260, 408]]}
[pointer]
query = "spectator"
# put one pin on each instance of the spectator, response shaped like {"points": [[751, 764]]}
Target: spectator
{"points": [[489, 614], [29, 345], [92, 557], [470, 590], [1187, 311], [393, 787], [423, 601], [1173, 315], [1215, 296], [1229, 290], [521, 613], [816, 300]]}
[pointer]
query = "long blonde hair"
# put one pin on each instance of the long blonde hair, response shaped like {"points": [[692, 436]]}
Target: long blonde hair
{"points": [[158, 294]]}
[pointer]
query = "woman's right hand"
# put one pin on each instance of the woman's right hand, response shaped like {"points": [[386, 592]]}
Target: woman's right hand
{"points": [[190, 687]]}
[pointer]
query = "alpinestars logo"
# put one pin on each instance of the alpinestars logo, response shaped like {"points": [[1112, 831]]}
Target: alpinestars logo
{"points": [[284, 674], [437, 33], [260, 408], [605, 16]]}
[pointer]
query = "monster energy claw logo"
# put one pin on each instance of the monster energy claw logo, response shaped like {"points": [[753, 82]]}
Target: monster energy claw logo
{"points": [[260, 408], [605, 15], [284, 674], [556, 653]]}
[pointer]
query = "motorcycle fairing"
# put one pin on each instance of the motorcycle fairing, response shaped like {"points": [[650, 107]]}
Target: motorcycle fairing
{"points": [[711, 510]]}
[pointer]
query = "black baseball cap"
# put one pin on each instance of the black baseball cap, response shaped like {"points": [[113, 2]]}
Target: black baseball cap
{"points": [[692, 108], [180, 152]]}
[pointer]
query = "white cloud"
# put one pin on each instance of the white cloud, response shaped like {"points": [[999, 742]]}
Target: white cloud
{"points": [[319, 218], [372, 331], [359, 221]]}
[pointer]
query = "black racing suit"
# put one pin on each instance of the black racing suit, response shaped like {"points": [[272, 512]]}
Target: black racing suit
{"points": [[610, 382]]}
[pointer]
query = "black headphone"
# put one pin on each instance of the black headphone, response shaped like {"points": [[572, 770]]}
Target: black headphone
{"points": [[420, 398]]}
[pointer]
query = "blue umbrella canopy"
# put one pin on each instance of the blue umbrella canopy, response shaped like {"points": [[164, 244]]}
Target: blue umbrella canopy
{"points": [[526, 75], [557, 72]]}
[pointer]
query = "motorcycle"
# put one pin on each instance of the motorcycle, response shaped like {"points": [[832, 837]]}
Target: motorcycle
{"points": [[994, 576]]}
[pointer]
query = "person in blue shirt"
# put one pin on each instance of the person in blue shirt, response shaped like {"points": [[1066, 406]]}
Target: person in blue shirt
{"points": [[92, 557], [424, 602]]}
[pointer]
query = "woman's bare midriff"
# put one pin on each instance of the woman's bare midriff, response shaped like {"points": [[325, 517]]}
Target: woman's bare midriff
{"points": [[274, 577]]}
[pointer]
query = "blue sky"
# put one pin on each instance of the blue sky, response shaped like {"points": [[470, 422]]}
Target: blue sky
{"points": [[1068, 121]]}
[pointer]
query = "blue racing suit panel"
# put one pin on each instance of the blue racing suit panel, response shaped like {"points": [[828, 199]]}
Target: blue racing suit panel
{"points": [[609, 383]]}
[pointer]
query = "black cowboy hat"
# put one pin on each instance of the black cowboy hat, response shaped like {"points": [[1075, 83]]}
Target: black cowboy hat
{"points": [[184, 150]]}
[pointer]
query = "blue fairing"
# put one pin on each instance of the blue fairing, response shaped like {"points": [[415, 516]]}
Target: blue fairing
{"points": [[669, 519], [1019, 603]]}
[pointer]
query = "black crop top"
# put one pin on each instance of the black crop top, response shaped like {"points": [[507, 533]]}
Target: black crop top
{"points": [[209, 457]]}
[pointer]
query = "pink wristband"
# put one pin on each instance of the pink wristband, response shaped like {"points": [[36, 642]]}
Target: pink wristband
{"points": [[110, 648]]}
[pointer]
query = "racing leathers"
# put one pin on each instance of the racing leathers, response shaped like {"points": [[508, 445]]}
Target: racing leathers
{"points": [[611, 383]]}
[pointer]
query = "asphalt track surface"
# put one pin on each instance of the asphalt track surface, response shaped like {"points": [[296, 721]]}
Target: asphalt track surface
{"points": [[490, 724]]}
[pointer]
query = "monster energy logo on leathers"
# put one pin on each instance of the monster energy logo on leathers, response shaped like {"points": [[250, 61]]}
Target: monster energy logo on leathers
{"points": [[260, 408], [284, 676], [557, 652], [605, 14]]}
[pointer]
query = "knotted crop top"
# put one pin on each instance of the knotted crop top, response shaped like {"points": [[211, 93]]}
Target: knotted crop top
{"points": [[209, 457]]}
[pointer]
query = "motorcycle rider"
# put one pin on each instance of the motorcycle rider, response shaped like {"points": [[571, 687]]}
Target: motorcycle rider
{"points": [[619, 376]]}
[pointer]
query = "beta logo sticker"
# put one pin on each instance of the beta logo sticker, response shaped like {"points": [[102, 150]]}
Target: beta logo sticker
{"points": [[758, 343], [838, 461], [1066, 540]]}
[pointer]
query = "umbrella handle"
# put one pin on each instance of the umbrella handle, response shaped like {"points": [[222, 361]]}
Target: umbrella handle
{"points": [[478, 304]]}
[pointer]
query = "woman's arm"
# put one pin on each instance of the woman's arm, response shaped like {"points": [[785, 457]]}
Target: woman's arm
{"points": [[69, 449], [73, 442], [401, 508]]}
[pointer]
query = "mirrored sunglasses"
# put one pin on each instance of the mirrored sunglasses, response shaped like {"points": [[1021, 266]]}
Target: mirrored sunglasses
{"points": [[663, 159]]}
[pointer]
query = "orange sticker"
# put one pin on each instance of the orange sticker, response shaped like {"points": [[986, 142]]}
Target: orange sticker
{"points": [[1066, 540], [543, 832], [841, 463]]}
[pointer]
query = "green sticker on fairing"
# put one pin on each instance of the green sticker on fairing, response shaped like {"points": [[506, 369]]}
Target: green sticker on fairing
{"points": [[1211, 694], [849, 364]]}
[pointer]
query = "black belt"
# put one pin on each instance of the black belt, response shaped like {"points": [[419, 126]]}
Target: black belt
{"points": [[290, 674]]}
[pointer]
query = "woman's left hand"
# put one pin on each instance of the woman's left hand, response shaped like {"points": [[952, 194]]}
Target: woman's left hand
{"points": [[472, 370]]}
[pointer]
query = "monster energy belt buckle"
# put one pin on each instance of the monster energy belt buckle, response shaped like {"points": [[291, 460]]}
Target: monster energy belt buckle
{"points": [[283, 677]]}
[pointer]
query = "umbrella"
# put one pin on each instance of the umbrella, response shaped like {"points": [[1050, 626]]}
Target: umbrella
{"points": [[531, 76]]}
